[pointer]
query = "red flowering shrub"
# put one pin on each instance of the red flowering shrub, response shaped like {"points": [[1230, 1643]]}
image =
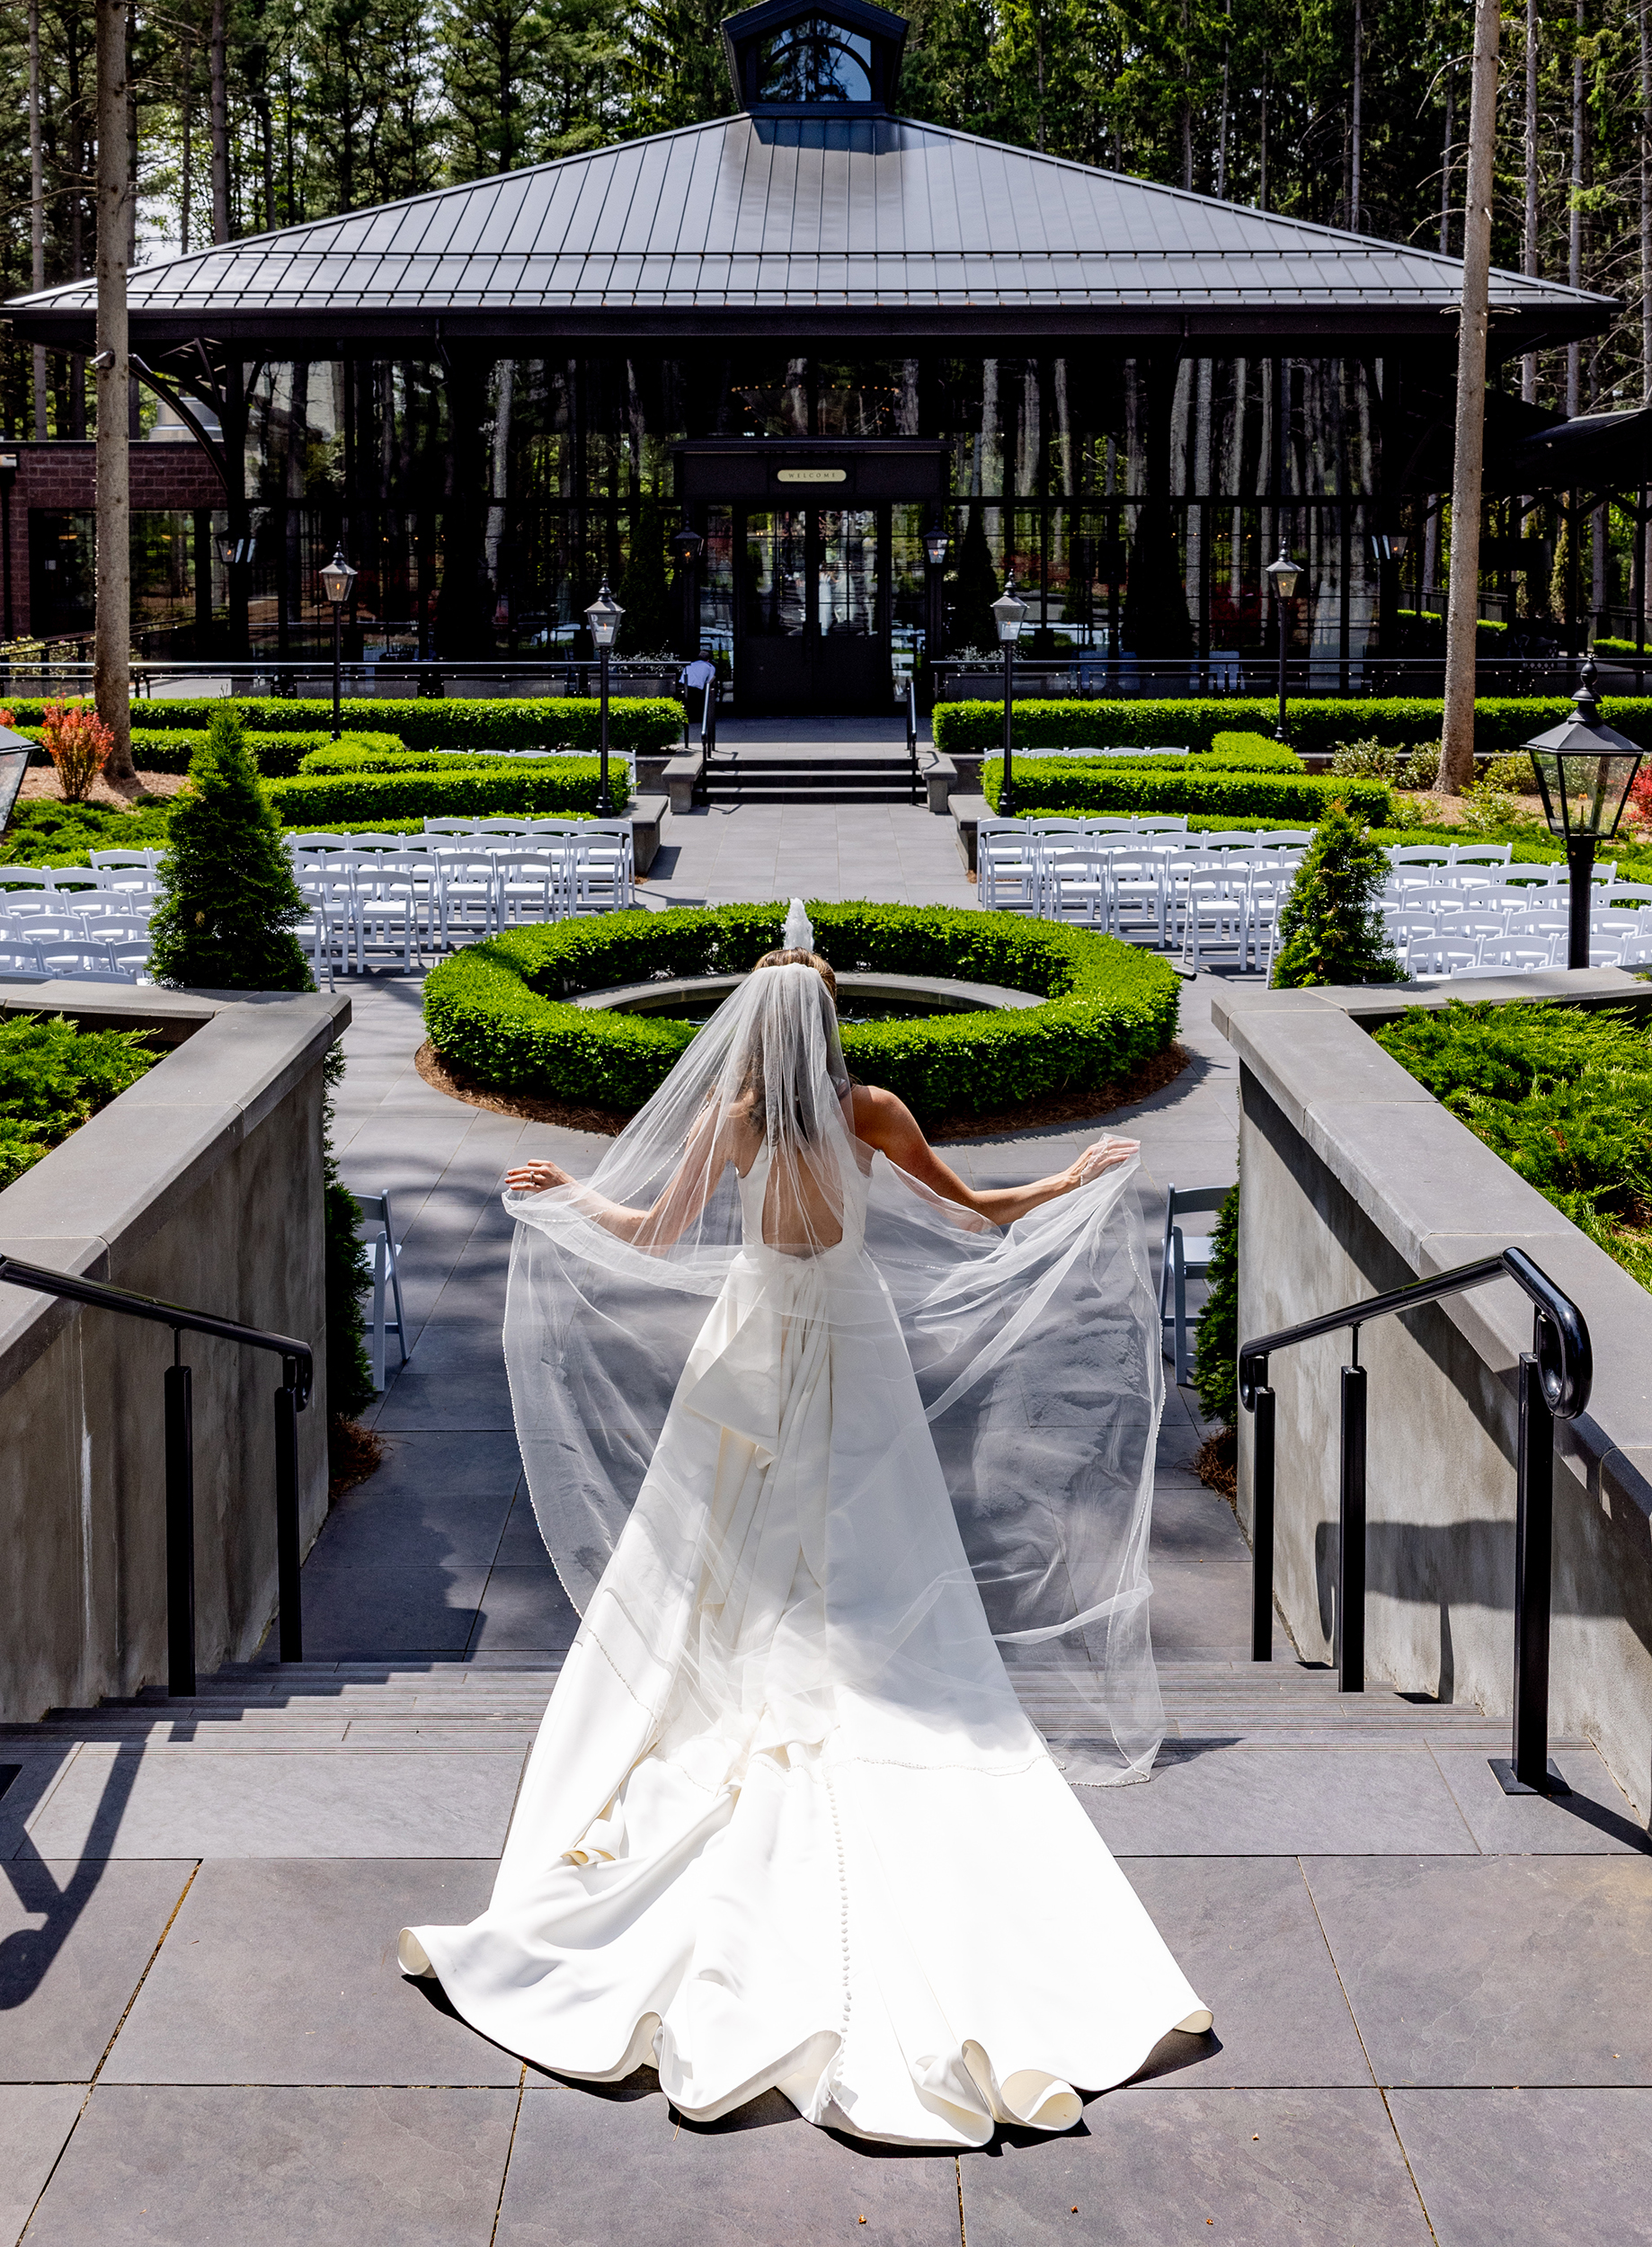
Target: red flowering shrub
{"points": [[77, 742]]}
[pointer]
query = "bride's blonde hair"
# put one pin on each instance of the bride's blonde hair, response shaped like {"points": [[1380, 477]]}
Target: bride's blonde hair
{"points": [[793, 955]]}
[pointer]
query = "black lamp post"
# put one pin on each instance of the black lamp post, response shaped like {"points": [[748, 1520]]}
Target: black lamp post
{"points": [[1584, 772], [1284, 573], [603, 617], [337, 577], [1008, 615]]}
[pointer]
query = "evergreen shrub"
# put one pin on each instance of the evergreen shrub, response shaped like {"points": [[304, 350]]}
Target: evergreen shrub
{"points": [[228, 901], [1330, 930], [53, 1076], [1216, 1368], [1563, 1094], [1061, 786], [43, 832], [499, 1010]]}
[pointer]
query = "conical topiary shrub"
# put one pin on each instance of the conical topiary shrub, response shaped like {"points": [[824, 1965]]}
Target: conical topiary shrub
{"points": [[1330, 930], [228, 899]]}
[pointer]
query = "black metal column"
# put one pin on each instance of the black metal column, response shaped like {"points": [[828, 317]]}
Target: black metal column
{"points": [[1529, 1770], [179, 1534], [1262, 1529], [1351, 1603], [1580, 865]]}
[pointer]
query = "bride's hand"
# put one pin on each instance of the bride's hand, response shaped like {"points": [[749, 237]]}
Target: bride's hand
{"points": [[1105, 1154], [535, 1178]]}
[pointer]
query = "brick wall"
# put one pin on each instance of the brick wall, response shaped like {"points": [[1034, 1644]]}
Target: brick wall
{"points": [[61, 477]]}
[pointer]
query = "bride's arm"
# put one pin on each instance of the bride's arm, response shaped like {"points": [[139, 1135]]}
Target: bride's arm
{"points": [[675, 1209], [883, 1120]]}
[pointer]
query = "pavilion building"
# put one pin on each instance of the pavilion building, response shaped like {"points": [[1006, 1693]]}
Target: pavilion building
{"points": [[813, 332]]}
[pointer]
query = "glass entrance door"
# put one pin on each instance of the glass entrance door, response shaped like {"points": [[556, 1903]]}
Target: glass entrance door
{"points": [[811, 624]]}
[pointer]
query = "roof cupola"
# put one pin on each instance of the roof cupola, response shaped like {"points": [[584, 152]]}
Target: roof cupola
{"points": [[814, 58]]}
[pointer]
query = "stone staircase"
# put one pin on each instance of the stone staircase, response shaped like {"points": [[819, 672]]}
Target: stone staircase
{"points": [[810, 775], [495, 1706]]}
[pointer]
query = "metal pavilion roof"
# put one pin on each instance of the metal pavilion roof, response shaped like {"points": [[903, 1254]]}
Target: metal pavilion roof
{"points": [[874, 226]]}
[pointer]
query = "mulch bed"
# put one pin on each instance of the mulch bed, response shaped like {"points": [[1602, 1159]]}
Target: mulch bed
{"points": [[1071, 1107], [1216, 1463]]}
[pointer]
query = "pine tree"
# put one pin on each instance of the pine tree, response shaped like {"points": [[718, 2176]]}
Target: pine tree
{"points": [[649, 621], [1330, 930], [975, 588], [1215, 1367], [228, 899]]}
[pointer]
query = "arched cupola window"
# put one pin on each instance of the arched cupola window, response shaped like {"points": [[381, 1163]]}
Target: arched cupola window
{"points": [[823, 57]]}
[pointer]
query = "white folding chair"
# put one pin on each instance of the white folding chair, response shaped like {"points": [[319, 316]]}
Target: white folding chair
{"points": [[20, 955], [609, 869], [469, 891], [1006, 865], [1186, 1256], [384, 1249]]}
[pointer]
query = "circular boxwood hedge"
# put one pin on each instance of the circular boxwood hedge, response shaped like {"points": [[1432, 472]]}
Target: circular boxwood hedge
{"points": [[498, 1012]]}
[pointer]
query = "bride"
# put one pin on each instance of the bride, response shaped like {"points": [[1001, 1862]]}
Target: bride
{"points": [[833, 1453]]}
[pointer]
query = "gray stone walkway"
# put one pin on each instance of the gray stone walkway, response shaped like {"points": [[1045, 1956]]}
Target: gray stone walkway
{"points": [[1432, 2003]]}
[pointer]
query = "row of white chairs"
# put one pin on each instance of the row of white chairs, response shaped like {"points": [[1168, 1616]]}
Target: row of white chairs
{"points": [[118, 950], [398, 897], [1451, 944]]}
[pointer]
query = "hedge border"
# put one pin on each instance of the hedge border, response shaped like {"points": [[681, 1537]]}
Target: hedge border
{"points": [[648, 723], [484, 788], [1313, 726], [1121, 785], [499, 1010]]}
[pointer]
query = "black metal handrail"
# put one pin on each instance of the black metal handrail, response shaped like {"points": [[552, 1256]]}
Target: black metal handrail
{"points": [[911, 733], [298, 1382], [1555, 1379]]}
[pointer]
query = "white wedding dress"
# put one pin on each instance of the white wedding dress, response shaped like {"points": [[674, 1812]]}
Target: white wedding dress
{"points": [[786, 1823]]}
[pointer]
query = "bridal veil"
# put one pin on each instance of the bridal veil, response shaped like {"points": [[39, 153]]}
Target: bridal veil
{"points": [[1036, 1349]]}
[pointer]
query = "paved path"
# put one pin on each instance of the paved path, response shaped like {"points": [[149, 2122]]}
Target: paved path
{"points": [[203, 2037]]}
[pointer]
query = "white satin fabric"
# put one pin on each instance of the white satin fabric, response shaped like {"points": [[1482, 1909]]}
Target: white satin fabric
{"points": [[786, 1823]]}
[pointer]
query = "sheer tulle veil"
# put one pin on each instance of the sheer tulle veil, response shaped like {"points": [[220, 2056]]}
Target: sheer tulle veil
{"points": [[1034, 1350]]}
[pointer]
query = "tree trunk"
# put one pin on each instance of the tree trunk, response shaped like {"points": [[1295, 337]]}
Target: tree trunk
{"points": [[37, 208], [504, 392], [1574, 238], [1534, 25], [112, 642], [77, 239], [1355, 127], [1462, 600], [1642, 532], [186, 167], [217, 43], [1445, 164]]}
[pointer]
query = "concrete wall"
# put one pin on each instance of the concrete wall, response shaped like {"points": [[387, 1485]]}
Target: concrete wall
{"points": [[201, 1185], [1356, 1179]]}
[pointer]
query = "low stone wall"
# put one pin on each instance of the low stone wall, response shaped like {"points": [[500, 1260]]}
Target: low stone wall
{"points": [[201, 1185], [1356, 1179]]}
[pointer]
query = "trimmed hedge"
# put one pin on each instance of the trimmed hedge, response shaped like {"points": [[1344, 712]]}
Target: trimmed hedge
{"points": [[278, 756], [1501, 723], [635, 721], [1060, 786], [378, 752], [1251, 752], [482, 788], [500, 1009]]}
